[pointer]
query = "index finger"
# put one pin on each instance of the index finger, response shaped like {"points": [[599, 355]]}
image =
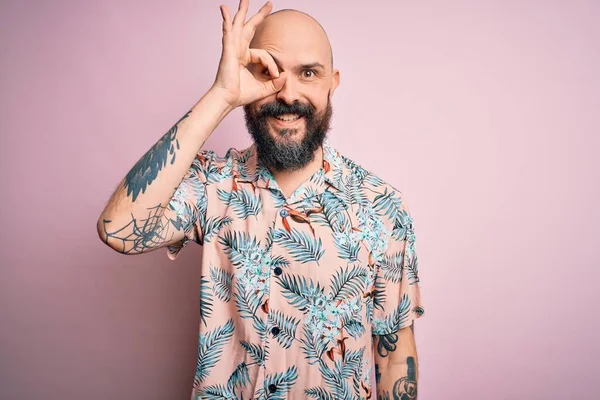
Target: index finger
{"points": [[240, 15], [258, 17]]}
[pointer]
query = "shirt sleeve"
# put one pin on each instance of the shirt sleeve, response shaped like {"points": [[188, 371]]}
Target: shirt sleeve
{"points": [[189, 203], [397, 298]]}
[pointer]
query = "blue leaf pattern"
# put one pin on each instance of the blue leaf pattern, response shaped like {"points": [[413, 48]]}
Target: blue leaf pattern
{"points": [[294, 284]]}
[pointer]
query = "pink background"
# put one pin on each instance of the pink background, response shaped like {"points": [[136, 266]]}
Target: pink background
{"points": [[489, 111]]}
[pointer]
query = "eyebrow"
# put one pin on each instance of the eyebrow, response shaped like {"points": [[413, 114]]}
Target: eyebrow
{"points": [[302, 66]]}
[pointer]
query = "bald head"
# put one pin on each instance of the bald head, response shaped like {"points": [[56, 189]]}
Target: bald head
{"points": [[293, 31], [290, 125]]}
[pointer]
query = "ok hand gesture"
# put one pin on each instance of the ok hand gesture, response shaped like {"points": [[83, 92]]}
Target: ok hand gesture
{"points": [[234, 81]]}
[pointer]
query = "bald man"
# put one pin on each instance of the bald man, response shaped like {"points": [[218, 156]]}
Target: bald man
{"points": [[308, 264]]}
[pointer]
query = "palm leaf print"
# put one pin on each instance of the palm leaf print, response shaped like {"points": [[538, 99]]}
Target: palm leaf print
{"points": [[335, 380], [288, 326], [300, 245], [396, 320], [221, 283], [257, 352], [283, 380], [334, 212], [236, 244], [352, 365], [239, 377], [242, 165], [388, 204], [187, 214], [297, 291], [269, 238], [358, 171], [279, 261], [312, 347], [212, 172], [373, 180], [412, 270], [205, 300], [261, 328], [391, 265], [347, 283], [318, 393], [399, 230], [217, 392], [379, 294], [347, 249], [213, 225], [354, 327], [241, 201], [247, 305], [210, 346], [353, 193]]}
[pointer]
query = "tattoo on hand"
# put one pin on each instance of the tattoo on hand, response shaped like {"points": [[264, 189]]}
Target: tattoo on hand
{"points": [[145, 171], [386, 344]]}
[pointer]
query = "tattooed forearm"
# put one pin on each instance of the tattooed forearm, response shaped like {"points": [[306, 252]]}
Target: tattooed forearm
{"points": [[140, 235], [404, 388], [145, 171], [386, 344]]}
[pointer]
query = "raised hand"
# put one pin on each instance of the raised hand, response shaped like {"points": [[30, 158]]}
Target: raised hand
{"points": [[234, 81]]}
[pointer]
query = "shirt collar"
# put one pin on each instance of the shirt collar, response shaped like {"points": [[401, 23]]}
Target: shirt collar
{"points": [[250, 169]]}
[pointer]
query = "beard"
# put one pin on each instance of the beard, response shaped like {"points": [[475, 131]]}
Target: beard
{"points": [[283, 153]]}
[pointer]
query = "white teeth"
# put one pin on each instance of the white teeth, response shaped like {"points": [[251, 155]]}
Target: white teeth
{"points": [[288, 117]]}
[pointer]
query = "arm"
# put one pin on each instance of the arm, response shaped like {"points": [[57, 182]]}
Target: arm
{"points": [[137, 217], [396, 365]]}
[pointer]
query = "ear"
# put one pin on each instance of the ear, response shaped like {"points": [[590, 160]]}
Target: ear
{"points": [[335, 81]]}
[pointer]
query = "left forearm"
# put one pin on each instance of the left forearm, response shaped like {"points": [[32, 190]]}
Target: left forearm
{"points": [[396, 365], [397, 381]]}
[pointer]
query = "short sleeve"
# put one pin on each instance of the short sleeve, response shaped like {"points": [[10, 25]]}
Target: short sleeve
{"points": [[397, 298], [189, 203]]}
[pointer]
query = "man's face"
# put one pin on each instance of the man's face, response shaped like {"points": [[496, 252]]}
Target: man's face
{"points": [[290, 125], [287, 135]]}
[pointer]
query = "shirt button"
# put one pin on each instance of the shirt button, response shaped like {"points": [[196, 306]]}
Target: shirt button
{"points": [[275, 330], [277, 270], [284, 213], [272, 388]]}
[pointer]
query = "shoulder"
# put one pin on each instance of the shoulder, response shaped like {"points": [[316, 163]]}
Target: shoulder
{"points": [[368, 181], [381, 200]]}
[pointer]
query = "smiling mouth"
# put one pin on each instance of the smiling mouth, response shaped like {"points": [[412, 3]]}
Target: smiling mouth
{"points": [[288, 117], [286, 120]]}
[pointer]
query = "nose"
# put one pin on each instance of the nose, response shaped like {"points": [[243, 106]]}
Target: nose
{"points": [[289, 92]]}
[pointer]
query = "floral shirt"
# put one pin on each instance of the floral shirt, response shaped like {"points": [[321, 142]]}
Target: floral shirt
{"points": [[292, 289]]}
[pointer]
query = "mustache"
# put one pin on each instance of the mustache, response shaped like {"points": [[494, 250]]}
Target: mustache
{"points": [[278, 108]]}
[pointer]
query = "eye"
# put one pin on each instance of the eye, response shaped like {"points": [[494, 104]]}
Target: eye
{"points": [[266, 72], [309, 73]]}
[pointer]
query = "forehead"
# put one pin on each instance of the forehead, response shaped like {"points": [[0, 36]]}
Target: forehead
{"points": [[293, 41]]}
